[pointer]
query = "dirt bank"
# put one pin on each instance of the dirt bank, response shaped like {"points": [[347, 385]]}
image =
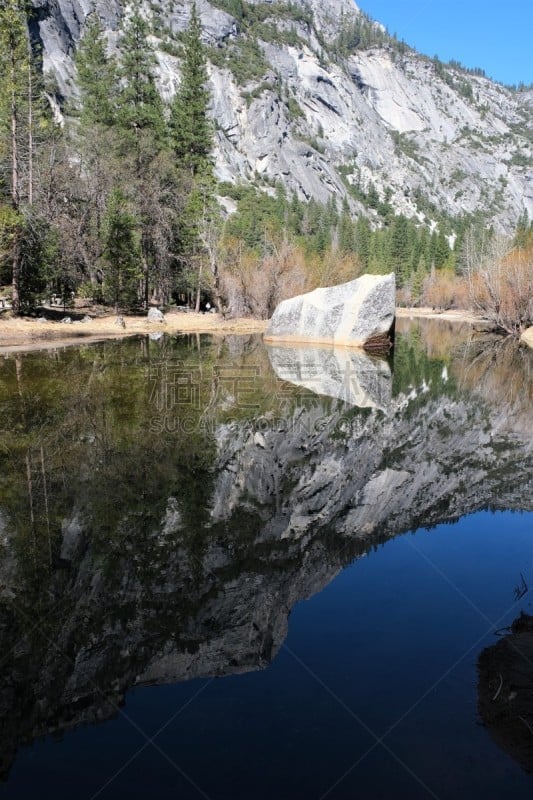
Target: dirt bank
{"points": [[450, 316], [31, 333]]}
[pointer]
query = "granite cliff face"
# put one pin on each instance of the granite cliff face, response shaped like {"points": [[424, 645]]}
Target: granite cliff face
{"points": [[199, 579], [290, 105]]}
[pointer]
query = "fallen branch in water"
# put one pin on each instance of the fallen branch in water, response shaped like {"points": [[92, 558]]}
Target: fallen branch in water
{"points": [[499, 690]]}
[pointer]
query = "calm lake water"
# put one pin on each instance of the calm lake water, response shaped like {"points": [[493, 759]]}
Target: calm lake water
{"points": [[231, 571]]}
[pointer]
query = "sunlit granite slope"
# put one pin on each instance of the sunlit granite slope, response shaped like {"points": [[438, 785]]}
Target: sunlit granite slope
{"points": [[384, 119]]}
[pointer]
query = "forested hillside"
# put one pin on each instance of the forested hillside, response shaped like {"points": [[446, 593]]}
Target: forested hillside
{"points": [[235, 153]]}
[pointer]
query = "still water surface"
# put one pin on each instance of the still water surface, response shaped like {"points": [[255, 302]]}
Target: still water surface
{"points": [[228, 572]]}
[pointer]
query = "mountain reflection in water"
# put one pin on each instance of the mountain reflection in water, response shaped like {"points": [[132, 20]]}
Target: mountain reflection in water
{"points": [[164, 505]]}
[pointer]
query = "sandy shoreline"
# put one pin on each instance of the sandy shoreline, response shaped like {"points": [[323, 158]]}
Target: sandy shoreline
{"points": [[451, 316], [30, 333]]}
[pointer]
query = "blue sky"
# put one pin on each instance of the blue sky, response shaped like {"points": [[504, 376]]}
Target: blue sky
{"points": [[496, 35]]}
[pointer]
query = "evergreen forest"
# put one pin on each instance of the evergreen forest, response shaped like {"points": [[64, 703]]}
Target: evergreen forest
{"points": [[113, 197]]}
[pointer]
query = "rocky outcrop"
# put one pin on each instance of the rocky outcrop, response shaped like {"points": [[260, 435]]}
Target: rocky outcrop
{"points": [[359, 313], [420, 135], [527, 337], [155, 315]]}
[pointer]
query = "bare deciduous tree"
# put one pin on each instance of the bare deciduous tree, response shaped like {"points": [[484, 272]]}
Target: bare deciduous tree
{"points": [[500, 280]]}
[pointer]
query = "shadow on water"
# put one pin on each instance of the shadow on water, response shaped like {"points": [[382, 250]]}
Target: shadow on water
{"points": [[164, 505]]}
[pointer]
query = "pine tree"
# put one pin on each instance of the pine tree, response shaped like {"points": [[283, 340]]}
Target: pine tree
{"points": [[192, 142], [15, 111], [440, 249], [400, 249], [363, 241], [346, 232], [191, 130], [523, 237], [141, 131], [139, 103], [122, 257], [97, 76], [419, 275]]}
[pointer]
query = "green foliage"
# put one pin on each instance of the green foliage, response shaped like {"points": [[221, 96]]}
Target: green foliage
{"points": [[249, 15], [243, 57], [465, 89], [407, 146], [190, 128], [11, 222], [122, 256], [139, 105], [457, 83], [521, 159], [313, 142], [358, 34], [97, 76], [257, 213], [293, 107], [523, 237], [191, 136], [402, 246], [14, 51], [15, 70], [37, 244], [265, 86], [40, 261], [268, 32], [368, 197], [22, 124], [522, 129], [258, 22]]}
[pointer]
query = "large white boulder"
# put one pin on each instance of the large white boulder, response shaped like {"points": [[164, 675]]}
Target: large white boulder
{"points": [[527, 337], [357, 314], [155, 315]]}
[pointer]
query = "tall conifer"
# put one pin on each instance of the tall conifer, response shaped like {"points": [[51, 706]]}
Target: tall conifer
{"points": [[191, 130], [139, 104], [192, 142], [97, 76], [15, 118]]}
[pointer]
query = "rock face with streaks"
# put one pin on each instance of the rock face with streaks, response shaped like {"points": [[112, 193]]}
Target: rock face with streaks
{"points": [[381, 121], [359, 313]]}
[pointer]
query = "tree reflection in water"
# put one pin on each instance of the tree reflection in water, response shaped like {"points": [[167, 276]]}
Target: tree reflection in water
{"points": [[164, 505]]}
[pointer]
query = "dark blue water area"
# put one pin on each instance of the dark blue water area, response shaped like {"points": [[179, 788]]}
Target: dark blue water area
{"points": [[372, 695]]}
